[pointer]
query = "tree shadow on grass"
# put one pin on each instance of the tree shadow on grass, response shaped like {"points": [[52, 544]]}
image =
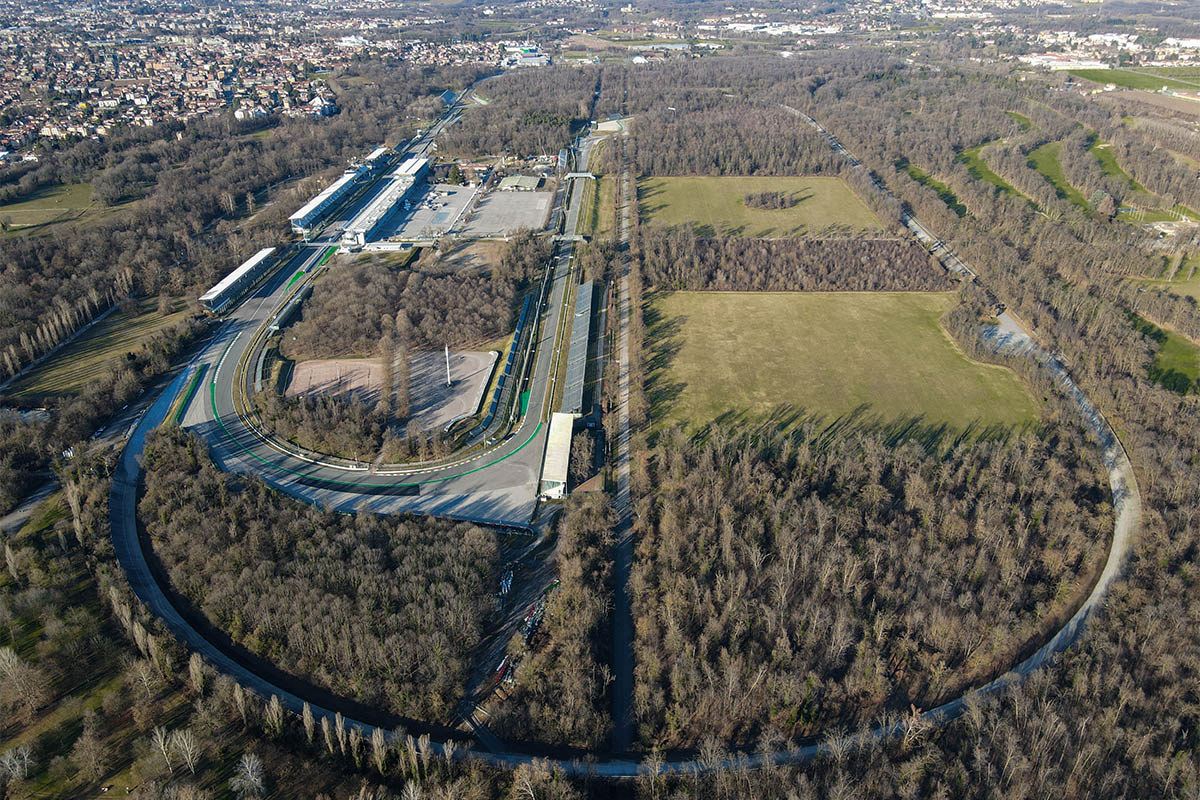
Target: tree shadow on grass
{"points": [[788, 421], [664, 339]]}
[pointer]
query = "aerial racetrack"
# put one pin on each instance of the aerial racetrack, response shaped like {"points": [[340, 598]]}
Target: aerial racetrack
{"points": [[366, 493]]}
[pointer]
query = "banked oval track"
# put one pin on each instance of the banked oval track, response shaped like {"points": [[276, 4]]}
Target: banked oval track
{"points": [[1008, 337]]}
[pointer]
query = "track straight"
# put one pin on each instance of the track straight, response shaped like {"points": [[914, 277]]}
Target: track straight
{"points": [[622, 699]]}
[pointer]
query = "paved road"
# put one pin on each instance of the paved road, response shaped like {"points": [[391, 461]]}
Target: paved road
{"points": [[623, 551]]}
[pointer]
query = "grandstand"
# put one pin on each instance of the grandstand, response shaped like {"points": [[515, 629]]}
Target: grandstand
{"points": [[315, 210], [238, 282], [398, 185], [577, 354]]}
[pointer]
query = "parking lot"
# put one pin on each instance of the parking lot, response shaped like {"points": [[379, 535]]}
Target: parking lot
{"points": [[504, 213], [430, 214]]}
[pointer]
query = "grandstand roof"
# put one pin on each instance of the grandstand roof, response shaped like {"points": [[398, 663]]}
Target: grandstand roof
{"points": [[577, 355], [315, 203], [233, 277]]}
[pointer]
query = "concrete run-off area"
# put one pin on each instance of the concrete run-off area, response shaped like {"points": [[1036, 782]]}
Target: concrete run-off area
{"points": [[357, 378]]}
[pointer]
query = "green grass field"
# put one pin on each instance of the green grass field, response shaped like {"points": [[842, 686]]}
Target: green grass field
{"points": [[1184, 282], [1025, 122], [605, 209], [1108, 164], [1045, 160], [1191, 73], [829, 354], [84, 359], [1129, 79], [49, 205], [973, 158], [944, 192], [716, 206], [1177, 362]]}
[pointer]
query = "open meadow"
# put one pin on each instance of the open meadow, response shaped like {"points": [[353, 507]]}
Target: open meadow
{"points": [[717, 355], [51, 204], [716, 206], [83, 360]]}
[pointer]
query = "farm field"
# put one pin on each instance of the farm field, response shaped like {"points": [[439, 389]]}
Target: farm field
{"points": [[83, 359], [1132, 80], [716, 206], [48, 205], [830, 354]]}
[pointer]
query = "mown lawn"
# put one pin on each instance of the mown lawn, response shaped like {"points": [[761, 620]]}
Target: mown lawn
{"points": [[716, 206], [84, 359], [744, 356]]}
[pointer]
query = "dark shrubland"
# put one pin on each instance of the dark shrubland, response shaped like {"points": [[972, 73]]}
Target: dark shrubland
{"points": [[770, 201]]}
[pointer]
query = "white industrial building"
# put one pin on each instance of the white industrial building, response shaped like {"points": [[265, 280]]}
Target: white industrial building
{"points": [[558, 456]]}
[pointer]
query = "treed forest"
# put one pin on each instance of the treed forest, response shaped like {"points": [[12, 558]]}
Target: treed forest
{"points": [[93, 686], [712, 135], [198, 214], [1113, 717], [28, 447], [186, 233], [528, 113], [351, 307], [676, 259], [790, 583], [562, 677], [381, 610], [373, 307], [813, 584]]}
